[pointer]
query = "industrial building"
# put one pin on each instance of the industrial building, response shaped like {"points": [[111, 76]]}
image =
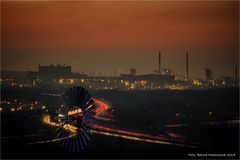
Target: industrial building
{"points": [[54, 71], [208, 73], [162, 78]]}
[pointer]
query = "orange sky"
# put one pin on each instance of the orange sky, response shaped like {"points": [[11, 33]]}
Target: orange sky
{"points": [[107, 33]]}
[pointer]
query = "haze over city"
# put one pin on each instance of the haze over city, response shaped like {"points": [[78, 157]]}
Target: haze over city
{"points": [[125, 79], [101, 36]]}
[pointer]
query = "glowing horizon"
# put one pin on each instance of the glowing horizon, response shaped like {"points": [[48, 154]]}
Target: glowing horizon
{"points": [[100, 36]]}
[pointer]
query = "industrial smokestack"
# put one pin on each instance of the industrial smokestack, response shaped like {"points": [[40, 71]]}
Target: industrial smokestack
{"points": [[187, 65], [159, 62], [115, 72], [236, 72], [208, 73]]}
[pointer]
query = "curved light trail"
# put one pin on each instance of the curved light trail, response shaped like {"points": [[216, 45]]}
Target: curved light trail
{"points": [[103, 130], [22, 136]]}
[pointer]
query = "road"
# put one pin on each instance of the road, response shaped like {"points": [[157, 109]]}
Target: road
{"points": [[103, 129]]}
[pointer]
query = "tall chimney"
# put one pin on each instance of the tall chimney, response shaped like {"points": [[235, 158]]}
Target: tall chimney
{"points": [[236, 72], [159, 62], [115, 72], [187, 65]]}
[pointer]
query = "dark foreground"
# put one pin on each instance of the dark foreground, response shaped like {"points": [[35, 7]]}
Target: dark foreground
{"points": [[203, 114]]}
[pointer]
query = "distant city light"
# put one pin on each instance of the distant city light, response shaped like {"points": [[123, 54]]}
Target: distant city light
{"points": [[132, 86], [60, 81], [60, 115], [71, 81], [126, 83], [75, 111], [178, 114], [143, 82]]}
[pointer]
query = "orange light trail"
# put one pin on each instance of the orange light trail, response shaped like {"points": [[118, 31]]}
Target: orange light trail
{"points": [[103, 118], [52, 140], [137, 134], [142, 139], [109, 131], [102, 107], [229, 122], [176, 125], [73, 129]]}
